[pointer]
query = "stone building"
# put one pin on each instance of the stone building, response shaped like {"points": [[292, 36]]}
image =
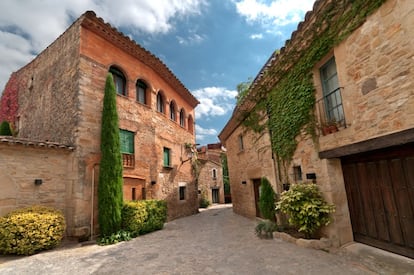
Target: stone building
{"points": [[59, 99], [363, 83], [210, 179]]}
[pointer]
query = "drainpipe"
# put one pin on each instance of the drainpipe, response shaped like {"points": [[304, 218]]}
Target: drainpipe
{"points": [[92, 196]]}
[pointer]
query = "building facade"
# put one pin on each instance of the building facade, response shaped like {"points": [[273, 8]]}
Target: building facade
{"points": [[59, 99], [210, 179], [363, 87]]}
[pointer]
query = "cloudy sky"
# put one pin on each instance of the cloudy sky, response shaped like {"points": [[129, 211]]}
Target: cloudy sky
{"points": [[210, 45]]}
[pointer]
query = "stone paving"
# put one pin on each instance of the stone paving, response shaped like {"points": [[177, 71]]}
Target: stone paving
{"points": [[215, 241]]}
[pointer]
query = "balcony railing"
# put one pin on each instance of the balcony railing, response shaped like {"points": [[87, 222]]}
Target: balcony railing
{"points": [[128, 160], [330, 112]]}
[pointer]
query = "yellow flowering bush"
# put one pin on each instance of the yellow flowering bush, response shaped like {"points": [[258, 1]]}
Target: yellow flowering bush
{"points": [[30, 230]]}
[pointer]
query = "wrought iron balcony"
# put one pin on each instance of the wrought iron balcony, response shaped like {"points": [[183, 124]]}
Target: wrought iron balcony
{"points": [[330, 112]]}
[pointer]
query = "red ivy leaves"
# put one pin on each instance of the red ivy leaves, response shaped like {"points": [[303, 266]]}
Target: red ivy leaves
{"points": [[9, 103]]}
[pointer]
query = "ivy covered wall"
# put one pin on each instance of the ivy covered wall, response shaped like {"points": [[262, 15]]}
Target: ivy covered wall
{"points": [[283, 94]]}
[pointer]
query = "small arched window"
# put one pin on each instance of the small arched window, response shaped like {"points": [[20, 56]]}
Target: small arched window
{"points": [[182, 118], [160, 103], [190, 124], [214, 173], [119, 80], [173, 112], [141, 89]]}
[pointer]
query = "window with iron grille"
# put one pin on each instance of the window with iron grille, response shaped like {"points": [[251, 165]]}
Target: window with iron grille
{"points": [[332, 93]]}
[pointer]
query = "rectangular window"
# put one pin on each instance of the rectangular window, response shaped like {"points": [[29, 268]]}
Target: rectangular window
{"points": [[241, 144], [182, 192], [167, 157], [127, 141], [214, 173], [297, 173], [332, 93]]}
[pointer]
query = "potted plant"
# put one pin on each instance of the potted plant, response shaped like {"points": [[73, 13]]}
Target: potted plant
{"points": [[329, 127]]}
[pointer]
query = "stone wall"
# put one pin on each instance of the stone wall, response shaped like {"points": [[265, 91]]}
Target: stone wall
{"points": [[21, 164], [376, 73], [253, 162], [206, 182]]}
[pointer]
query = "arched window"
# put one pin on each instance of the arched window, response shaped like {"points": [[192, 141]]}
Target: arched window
{"points": [[190, 124], [141, 89], [173, 112], [182, 118], [119, 80], [160, 103]]}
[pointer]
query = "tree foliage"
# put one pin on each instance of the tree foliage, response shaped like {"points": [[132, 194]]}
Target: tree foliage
{"points": [[242, 90], [110, 193]]}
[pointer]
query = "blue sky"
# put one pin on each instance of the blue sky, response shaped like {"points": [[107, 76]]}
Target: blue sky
{"points": [[211, 46]]}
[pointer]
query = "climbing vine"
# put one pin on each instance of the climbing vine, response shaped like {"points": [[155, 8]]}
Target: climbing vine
{"points": [[284, 97], [9, 104]]}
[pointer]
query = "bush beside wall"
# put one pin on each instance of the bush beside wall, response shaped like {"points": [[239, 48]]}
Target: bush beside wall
{"points": [[140, 217], [29, 230]]}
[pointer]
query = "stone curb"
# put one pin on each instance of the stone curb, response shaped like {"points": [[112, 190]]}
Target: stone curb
{"points": [[321, 244]]}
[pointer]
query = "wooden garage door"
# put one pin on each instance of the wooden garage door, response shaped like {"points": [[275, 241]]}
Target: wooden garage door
{"points": [[380, 191]]}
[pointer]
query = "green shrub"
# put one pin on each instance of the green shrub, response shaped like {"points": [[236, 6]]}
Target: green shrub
{"points": [[5, 129], [267, 200], [265, 229], [119, 236], [140, 217], [305, 207], [204, 203], [29, 230], [157, 216]]}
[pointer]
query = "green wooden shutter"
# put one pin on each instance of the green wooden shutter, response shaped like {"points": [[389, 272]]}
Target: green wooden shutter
{"points": [[127, 141], [166, 157]]}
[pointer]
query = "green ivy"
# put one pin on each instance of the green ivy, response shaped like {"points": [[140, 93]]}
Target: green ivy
{"points": [[285, 96]]}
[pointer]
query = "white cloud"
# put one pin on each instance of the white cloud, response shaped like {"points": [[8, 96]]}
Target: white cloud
{"points": [[203, 134], [276, 13], [36, 24], [256, 36], [214, 101], [191, 39]]}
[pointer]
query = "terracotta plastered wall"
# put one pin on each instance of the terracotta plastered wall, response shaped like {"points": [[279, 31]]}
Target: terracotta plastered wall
{"points": [[21, 165], [153, 130]]}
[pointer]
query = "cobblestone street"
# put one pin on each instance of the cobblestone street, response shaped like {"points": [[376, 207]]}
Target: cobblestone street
{"points": [[216, 241]]}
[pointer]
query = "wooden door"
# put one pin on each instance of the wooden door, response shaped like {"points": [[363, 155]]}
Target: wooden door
{"points": [[215, 195], [380, 191]]}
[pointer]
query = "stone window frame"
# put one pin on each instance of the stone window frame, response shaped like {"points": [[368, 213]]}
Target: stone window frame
{"points": [[331, 96], [241, 143], [182, 191], [120, 80], [214, 173]]}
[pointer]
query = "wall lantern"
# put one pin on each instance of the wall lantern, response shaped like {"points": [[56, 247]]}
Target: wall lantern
{"points": [[38, 181], [153, 182]]}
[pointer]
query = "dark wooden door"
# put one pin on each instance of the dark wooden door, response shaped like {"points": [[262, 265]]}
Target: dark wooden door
{"points": [[256, 187], [380, 191], [215, 195]]}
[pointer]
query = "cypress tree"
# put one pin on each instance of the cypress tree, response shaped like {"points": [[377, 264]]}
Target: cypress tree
{"points": [[5, 129], [267, 200], [110, 194]]}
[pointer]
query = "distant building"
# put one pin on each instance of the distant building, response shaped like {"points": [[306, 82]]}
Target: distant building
{"points": [[363, 85], [56, 104], [210, 181]]}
